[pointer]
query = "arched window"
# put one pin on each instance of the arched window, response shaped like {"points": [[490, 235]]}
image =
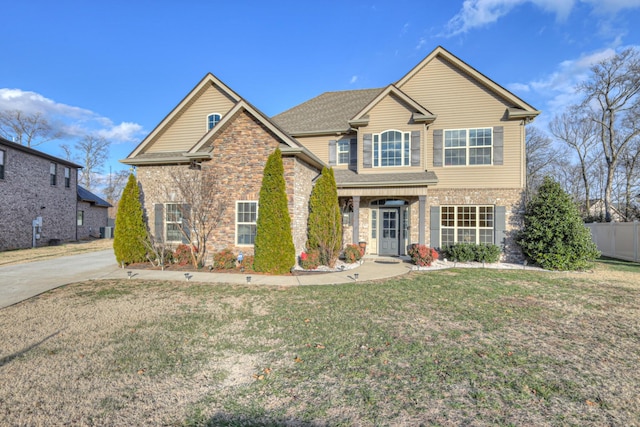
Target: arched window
{"points": [[212, 120], [391, 148]]}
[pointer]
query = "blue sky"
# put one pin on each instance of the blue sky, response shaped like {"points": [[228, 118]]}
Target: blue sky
{"points": [[118, 67]]}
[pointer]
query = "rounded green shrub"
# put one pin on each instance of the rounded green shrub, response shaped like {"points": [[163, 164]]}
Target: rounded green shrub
{"points": [[554, 236]]}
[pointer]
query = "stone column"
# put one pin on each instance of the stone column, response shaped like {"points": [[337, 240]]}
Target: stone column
{"points": [[422, 217], [356, 219]]}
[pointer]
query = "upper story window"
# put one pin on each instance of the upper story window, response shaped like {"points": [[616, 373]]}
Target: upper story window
{"points": [[343, 151], [464, 147], [67, 177], [212, 120], [3, 157], [53, 174], [391, 148]]}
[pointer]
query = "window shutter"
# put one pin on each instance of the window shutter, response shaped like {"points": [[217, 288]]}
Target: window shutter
{"points": [[186, 224], [158, 223], [434, 227], [353, 153], [367, 150], [437, 147], [415, 148], [332, 152], [499, 226], [498, 145]]}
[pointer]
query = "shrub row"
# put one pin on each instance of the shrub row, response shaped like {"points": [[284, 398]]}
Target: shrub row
{"points": [[465, 252]]}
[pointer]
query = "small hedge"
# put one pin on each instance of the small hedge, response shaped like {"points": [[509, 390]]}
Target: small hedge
{"points": [[224, 260], [353, 253], [465, 252], [310, 260], [422, 255]]}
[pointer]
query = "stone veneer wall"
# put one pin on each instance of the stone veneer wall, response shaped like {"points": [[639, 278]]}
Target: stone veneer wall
{"points": [[240, 153], [512, 199], [26, 193]]}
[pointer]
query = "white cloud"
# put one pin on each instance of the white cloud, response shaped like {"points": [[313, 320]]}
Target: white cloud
{"points": [[353, 79], [481, 13], [558, 88], [72, 121], [612, 6]]}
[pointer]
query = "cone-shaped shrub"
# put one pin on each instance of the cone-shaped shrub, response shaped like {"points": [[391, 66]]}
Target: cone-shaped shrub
{"points": [[130, 232], [274, 249], [554, 235], [324, 232]]}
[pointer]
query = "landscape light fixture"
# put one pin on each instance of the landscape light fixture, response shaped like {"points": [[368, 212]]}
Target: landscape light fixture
{"points": [[356, 275], [186, 276], [129, 273], [248, 279]]}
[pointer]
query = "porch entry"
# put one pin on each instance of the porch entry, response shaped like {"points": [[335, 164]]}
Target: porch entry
{"points": [[390, 226], [389, 231]]}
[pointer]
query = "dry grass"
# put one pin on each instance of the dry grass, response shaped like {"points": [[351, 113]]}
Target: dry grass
{"points": [[48, 252], [457, 347]]}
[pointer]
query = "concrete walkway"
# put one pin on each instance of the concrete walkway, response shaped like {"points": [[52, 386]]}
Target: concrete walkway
{"points": [[23, 281]]}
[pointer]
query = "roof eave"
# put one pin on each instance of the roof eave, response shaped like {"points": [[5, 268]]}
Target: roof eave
{"points": [[386, 184], [520, 114]]}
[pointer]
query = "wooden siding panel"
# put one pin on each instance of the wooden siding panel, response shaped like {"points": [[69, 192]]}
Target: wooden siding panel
{"points": [[189, 126], [460, 102]]}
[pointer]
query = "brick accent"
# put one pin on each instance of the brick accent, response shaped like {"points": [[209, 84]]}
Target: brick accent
{"points": [[239, 154], [26, 193]]}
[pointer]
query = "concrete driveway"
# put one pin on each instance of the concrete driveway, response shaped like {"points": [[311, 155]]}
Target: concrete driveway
{"points": [[22, 281]]}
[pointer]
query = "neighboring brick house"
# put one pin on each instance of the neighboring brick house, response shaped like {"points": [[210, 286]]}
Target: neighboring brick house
{"points": [[92, 215], [35, 185], [437, 157]]}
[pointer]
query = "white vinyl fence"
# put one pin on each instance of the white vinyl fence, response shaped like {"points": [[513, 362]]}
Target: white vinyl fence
{"points": [[617, 239]]}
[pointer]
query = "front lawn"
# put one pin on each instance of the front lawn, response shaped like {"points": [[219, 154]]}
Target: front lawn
{"points": [[455, 347]]}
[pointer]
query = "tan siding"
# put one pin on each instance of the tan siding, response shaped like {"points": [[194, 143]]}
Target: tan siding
{"points": [[318, 145], [390, 113], [190, 125], [460, 102]]}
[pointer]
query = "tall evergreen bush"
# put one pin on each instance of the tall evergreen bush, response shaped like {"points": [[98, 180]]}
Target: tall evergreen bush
{"points": [[324, 232], [554, 235], [130, 233], [274, 249]]}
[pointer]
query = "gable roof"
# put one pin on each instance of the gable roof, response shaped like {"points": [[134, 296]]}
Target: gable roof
{"points": [[327, 113], [420, 114], [519, 110], [183, 105], [85, 195], [37, 153], [289, 144]]}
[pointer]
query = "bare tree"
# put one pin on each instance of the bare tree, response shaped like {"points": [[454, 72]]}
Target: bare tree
{"points": [[92, 152], [541, 156], [578, 132], [204, 200], [612, 97], [630, 170], [30, 129], [114, 184]]}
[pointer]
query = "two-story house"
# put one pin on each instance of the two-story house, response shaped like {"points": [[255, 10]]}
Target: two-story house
{"points": [[435, 158], [37, 197]]}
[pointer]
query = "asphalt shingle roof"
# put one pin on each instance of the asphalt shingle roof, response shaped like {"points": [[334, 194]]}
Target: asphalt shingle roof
{"points": [[87, 196], [327, 112], [347, 176]]}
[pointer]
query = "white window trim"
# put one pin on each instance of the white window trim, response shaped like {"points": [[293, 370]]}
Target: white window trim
{"points": [[3, 163], [244, 223], [477, 227], [467, 146], [216, 122], [53, 174], [343, 142], [166, 211], [376, 154]]}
